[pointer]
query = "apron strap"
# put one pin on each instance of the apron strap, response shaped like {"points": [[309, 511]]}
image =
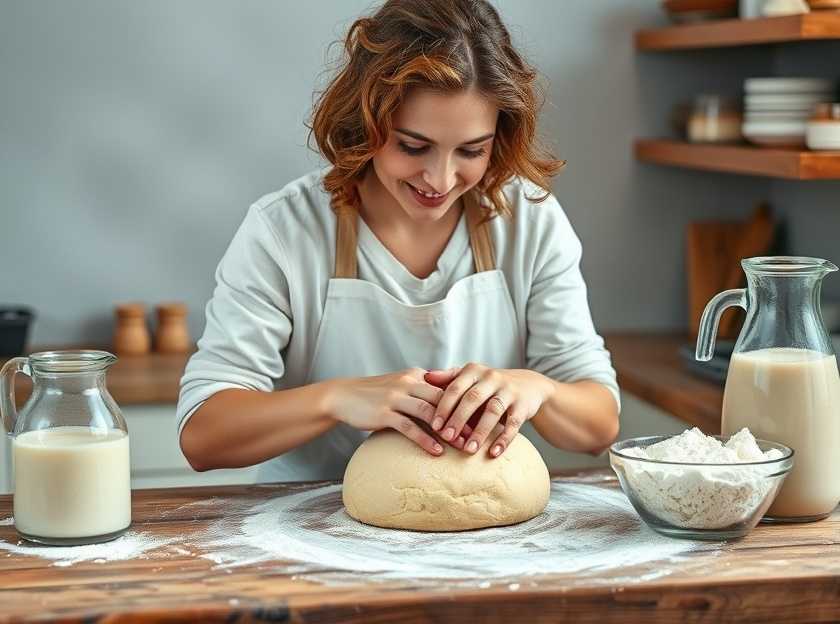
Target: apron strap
{"points": [[480, 241], [347, 235], [345, 244]]}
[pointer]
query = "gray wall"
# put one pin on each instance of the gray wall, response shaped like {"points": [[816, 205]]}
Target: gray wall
{"points": [[133, 136]]}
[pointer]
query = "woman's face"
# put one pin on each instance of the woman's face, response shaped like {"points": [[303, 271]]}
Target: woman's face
{"points": [[438, 149]]}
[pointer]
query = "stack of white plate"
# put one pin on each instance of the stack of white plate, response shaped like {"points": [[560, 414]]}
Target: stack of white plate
{"points": [[777, 109]]}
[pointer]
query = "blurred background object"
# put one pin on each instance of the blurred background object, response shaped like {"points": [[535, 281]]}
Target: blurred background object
{"points": [[700, 10], [714, 119], [14, 329], [131, 335], [172, 334]]}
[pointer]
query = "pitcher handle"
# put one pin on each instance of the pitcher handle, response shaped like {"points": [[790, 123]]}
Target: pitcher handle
{"points": [[711, 317], [7, 390]]}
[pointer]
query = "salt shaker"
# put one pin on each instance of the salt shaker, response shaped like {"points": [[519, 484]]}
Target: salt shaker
{"points": [[172, 334], [131, 336]]}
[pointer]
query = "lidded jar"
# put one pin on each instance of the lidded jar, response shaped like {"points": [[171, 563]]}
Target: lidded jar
{"points": [[714, 119], [70, 449]]}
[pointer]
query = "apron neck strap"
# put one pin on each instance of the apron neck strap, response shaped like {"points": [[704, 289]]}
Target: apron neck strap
{"points": [[347, 235]]}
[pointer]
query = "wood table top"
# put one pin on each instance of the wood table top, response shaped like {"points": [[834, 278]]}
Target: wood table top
{"points": [[778, 573]]}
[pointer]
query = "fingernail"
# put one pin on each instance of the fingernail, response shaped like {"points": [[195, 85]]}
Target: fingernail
{"points": [[496, 450], [438, 448], [472, 447], [449, 434], [437, 423]]}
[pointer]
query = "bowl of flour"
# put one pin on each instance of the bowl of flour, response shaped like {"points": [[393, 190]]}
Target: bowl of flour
{"points": [[701, 487]]}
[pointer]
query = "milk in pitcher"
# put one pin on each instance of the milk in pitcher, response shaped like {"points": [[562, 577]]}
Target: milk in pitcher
{"points": [[71, 483], [792, 396]]}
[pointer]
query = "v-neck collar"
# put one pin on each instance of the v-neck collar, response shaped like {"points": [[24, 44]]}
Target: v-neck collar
{"points": [[381, 255]]}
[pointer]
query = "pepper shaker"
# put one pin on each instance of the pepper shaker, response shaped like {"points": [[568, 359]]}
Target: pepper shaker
{"points": [[131, 336], [172, 334]]}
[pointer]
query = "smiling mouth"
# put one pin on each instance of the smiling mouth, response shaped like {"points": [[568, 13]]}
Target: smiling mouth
{"points": [[426, 193]]}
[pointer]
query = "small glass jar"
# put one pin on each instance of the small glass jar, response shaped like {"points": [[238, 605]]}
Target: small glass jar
{"points": [[714, 119]]}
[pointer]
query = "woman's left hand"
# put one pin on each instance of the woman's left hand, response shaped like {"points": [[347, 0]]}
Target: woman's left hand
{"points": [[509, 397]]}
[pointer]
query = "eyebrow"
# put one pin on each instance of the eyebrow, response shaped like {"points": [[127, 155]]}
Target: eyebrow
{"points": [[420, 137]]}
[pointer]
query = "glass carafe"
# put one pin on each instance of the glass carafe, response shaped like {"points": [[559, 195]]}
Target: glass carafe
{"points": [[72, 481], [783, 382]]}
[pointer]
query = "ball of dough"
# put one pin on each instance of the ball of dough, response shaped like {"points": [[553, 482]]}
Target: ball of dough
{"points": [[391, 482]]}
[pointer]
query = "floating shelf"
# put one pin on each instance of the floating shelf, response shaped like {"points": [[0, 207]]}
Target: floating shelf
{"points": [[775, 163], [737, 32]]}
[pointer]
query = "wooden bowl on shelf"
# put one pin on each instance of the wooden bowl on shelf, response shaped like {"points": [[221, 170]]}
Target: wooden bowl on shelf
{"points": [[699, 10]]}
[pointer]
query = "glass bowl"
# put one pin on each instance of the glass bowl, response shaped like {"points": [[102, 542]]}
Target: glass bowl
{"points": [[699, 501]]}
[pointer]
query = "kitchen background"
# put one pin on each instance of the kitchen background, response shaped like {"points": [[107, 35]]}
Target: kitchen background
{"points": [[133, 137]]}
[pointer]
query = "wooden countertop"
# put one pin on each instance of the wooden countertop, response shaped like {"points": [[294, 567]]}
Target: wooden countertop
{"points": [[647, 363], [778, 573]]}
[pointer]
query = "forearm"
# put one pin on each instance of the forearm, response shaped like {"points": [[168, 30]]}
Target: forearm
{"points": [[580, 416], [237, 428]]}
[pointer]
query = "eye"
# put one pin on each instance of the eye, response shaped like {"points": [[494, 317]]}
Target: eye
{"points": [[411, 150], [472, 153]]}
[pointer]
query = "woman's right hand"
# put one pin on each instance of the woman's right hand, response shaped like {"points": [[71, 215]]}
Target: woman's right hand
{"points": [[391, 401]]}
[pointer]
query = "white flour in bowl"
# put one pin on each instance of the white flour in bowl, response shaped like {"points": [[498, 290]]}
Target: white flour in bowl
{"points": [[696, 496]]}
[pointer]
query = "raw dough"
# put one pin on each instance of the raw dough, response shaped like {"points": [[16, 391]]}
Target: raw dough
{"points": [[391, 482]]}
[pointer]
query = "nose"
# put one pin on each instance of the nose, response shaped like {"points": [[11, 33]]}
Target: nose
{"points": [[441, 175]]}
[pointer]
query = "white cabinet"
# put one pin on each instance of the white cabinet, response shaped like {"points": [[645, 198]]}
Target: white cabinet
{"points": [[156, 458]]}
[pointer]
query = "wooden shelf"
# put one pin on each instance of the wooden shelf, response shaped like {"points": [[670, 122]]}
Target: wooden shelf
{"points": [[737, 32], [649, 367], [775, 163]]}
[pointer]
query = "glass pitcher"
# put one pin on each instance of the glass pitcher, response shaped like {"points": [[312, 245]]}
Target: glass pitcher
{"points": [[783, 382], [72, 480]]}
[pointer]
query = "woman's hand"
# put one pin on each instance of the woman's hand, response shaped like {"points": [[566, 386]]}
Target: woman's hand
{"points": [[496, 396], [402, 401]]}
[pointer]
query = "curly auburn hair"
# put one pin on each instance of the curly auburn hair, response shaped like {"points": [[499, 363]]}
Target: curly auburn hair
{"points": [[445, 46]]}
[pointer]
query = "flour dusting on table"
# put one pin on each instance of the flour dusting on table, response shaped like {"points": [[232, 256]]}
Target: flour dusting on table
{"points": [[131, 545], [585, 527]]}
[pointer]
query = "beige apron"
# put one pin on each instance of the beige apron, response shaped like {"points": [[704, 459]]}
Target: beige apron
{"points": [[365, 331]]}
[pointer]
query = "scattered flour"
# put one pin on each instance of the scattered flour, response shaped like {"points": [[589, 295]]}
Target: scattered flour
{"points": [[697, 496], [585, 529], [131, 545]]}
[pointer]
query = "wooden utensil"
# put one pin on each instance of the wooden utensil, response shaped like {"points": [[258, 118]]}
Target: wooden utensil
{"points": [[756, 240], [709, 247]]}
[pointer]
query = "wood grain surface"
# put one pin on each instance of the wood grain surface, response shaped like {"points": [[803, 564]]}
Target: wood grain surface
{"points": [[776, 574], [738, 32], [790, 164]]}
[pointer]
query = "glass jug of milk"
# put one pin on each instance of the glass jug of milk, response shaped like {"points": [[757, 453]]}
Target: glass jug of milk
{"points": [[783, 381], [69, 448]]}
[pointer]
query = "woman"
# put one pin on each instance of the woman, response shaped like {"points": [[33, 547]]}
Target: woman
{"points": [[426, 281]]}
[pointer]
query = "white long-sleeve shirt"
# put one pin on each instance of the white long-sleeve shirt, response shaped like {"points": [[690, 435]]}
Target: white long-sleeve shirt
{"points": [[263, 318]]}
